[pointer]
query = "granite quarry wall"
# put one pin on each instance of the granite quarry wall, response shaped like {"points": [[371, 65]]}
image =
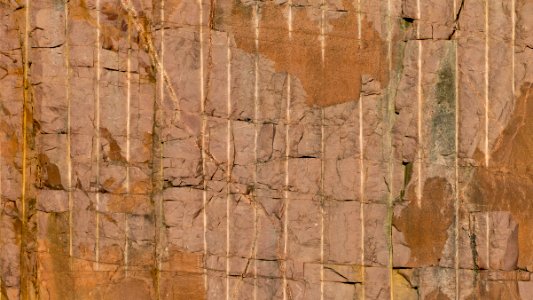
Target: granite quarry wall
{"points": [[287, 149]]}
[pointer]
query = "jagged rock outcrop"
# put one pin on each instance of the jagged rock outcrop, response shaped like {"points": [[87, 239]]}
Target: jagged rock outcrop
{"points": [[292, 149]]}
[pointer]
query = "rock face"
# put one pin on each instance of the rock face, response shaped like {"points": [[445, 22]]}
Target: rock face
{"points": [[296, 149]]}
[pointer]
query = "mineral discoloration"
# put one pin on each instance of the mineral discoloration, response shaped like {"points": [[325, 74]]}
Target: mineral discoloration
{"points": [[507, 184], [333, 79], [50, 175], [436, 211]]}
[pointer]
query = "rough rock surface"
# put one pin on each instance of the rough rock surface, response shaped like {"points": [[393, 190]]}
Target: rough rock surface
{"points": [[288, 149]]}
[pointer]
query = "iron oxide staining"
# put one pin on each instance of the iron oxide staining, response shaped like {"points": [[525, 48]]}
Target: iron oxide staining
{"points": [[337, 77]]}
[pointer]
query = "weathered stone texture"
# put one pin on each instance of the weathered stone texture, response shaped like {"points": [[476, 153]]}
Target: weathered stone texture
{"points": [[295, 149]]}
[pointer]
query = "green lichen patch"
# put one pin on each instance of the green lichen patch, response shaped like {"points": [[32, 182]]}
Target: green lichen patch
{"points": [[443, 110]]}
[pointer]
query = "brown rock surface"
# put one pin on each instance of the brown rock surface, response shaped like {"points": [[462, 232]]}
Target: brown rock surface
{"points": [[288, 149]]}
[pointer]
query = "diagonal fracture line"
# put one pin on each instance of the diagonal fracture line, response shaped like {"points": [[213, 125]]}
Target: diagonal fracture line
{"points": [[151, 50]]}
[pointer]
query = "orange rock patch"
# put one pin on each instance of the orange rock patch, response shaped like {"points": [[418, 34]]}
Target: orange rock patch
{"points": [[330, 79], [507, 184], [425, 226]]}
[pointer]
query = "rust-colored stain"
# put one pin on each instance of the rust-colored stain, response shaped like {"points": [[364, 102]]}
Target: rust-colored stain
{"points": [[332, 80], [125, 203], [182, 286], [114, 154], [10, 143], [113, 26], [185, 281], [507, 184], [56, 273], [129, 288], [437, 295], [435, 213], [50, 175]]}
